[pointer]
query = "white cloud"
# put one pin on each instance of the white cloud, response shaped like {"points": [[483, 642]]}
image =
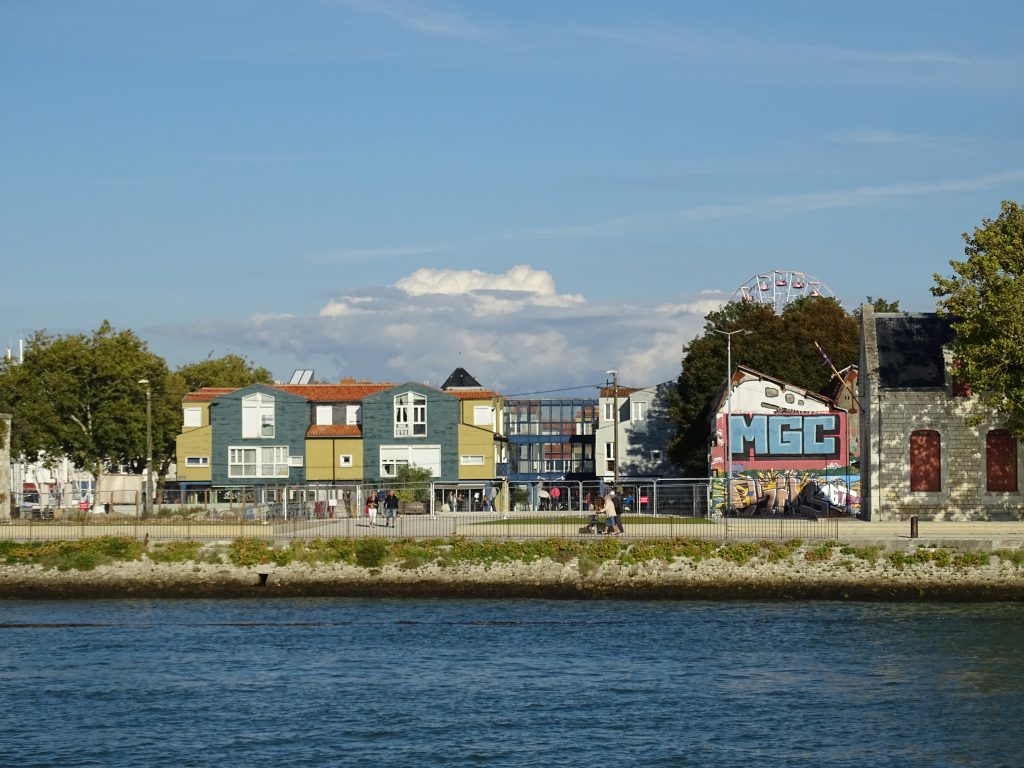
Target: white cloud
{"points": [[433, 320]]}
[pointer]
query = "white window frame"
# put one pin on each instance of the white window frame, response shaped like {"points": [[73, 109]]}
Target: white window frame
{"points": [[609, 456], [258, 416], [471, 460], [325, 414], [609, 410], [638, 410], [192, 417], [483, 416], [410, 415], [197, 461], [426, 456], [258, 461], [345, 460]]}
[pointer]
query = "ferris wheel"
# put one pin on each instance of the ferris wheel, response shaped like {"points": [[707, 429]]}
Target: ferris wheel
{"points": [[778, 287]]}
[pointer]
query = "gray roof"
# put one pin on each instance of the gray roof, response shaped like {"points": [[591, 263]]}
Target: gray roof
{"points": [[460, 379], [910, 350]]}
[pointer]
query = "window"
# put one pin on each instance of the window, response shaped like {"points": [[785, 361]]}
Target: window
{"points": [[257, 416], [609, 456], [655, 455], [771, 392], [197, 461], [353, 414], [483, 416], [269, 461], [790, 398], [1000, 461], [394, 456], [609, 410], [295, 461], [410, 415], [345, 460], [639, 408], [925, 460], [472, 461], [325, 414], [193, 417]]}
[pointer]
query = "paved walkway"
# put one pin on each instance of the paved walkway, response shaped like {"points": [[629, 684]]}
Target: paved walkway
{"points": [[1008, 534]]}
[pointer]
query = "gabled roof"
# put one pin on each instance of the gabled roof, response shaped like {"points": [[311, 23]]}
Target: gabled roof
{"points": [[460, 379], [473, 394], [319, 393], [910, 349], [206, 394], [334, 430]]}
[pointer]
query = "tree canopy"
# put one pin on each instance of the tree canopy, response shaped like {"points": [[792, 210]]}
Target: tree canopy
{"points": [[228, 371], [79, 396], [782, 346], [985, 300]]}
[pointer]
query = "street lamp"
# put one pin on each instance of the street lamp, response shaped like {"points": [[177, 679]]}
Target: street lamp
{"points": [[148, 501], [615, 421], [728, 410]]}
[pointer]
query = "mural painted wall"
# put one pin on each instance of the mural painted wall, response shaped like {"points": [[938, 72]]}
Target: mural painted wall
{"points": [[786, 464]]}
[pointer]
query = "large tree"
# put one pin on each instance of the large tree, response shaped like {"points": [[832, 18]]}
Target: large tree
{"points": [[985, 300], [79, 396], [228, 371], [782, 346]]}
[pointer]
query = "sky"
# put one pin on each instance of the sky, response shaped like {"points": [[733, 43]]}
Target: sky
{"points": [[537, 191]]}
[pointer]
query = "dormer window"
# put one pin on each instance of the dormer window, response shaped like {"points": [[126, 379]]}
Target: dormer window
{"points": [[257, 416], [410, 415]]}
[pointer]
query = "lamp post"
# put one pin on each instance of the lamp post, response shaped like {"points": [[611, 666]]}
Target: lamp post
{"points": [[615, 422], [728, 410], [148, 501]]}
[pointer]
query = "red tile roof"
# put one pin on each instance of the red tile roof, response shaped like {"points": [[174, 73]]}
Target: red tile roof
{"points": [[334, 430], [333, 393], [321, 393], [206, 394], [472, 394]]}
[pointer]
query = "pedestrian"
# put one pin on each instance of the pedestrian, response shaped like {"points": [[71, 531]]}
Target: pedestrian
{"points": [[391, 510], [617, 508], [608, 510], [371, 508]]}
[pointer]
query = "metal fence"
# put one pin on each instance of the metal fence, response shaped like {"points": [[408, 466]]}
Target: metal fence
{"points": [[531, 525]]}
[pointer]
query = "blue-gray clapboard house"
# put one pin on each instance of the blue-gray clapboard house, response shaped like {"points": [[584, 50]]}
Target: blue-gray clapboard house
{"points": [[411, 425], [258, 437]]}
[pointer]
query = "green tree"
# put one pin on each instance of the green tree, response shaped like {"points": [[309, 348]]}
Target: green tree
{"points": [[79, 396], [228, 371], [985, 300], [412, 484], [782, 346]]}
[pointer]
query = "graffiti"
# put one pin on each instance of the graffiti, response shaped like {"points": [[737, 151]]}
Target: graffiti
{"points": [[762, 436], [782, 494]]}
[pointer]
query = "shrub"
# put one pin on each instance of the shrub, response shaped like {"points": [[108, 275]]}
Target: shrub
{"points": [[371, 552], [821, 553], [174, 552]]}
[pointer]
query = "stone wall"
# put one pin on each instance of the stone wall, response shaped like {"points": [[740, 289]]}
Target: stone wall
{"points": [[963, 494]]}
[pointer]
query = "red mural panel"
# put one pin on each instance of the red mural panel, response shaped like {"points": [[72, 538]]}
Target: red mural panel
{"points": [[1000, 461], [925, 460]]}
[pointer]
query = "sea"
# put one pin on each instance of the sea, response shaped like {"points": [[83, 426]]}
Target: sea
{"points": [[356, 682]]}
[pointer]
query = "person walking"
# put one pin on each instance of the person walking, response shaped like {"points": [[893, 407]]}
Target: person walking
{"points": [[391, 510], [616, 500], [608, 510]]}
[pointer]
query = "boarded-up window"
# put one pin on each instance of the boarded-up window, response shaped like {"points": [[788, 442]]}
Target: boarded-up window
{"points": [[1000, 461], [925, 460]]}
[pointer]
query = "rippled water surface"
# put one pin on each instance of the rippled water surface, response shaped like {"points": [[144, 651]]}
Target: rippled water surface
{"points": [[516, 683]]}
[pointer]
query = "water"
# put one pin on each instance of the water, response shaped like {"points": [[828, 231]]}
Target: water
{"points": [[331, 682]]}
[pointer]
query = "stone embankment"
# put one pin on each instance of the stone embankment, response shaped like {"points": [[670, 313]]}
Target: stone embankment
{"points": [[907, 571]]}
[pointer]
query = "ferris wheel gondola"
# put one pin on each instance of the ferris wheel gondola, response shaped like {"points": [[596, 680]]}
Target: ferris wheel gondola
{"points": [[779, 287]]}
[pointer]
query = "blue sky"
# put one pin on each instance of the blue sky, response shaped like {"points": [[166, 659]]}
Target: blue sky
{"points": [[537, 191]]}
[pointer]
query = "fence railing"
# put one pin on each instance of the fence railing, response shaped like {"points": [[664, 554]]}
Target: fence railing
{"points": [[527, 525]]}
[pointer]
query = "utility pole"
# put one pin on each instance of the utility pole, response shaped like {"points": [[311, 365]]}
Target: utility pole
{"points": [[148, 501], [728, 412], [615, 421]]}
